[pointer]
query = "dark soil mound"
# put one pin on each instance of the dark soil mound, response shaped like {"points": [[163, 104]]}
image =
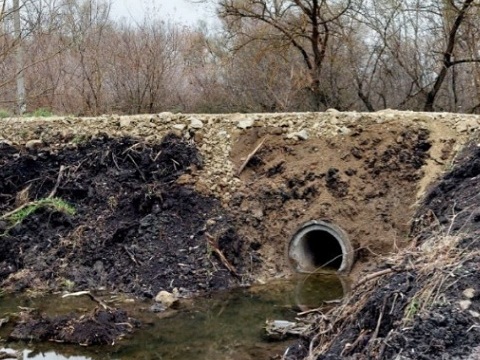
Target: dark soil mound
{"points": [[102, 327], [428, 307], [452, 204], [135, 229]]}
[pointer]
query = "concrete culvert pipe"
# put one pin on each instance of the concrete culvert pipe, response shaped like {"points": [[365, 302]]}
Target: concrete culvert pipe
{"points": [[320, 245]]}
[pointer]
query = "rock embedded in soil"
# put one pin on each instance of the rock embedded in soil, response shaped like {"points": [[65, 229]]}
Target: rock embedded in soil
{"points": [[166, 299], [34, 144], [196, 123], [469, 293], [465, 304], [246, 123]]}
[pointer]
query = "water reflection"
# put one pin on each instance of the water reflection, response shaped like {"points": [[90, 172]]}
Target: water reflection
{"points": [[225, 325]]}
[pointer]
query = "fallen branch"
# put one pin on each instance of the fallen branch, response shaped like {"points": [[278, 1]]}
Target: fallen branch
{"points": [[90, 295], [250, 156], [223, 259]]}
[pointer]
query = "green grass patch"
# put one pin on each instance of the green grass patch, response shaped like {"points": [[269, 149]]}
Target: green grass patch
{"points": [[4, 114], [19, 215], [40, 112]]}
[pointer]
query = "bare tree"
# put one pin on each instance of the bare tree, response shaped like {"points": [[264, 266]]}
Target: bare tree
{"points": [[144, 66], [306, 25], [455, 14]]}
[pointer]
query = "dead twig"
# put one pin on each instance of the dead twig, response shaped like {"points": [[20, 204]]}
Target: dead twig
{"points": [[138, 169], [115, 161], [156, 156], [317, 310], [10, 213], [379, 321], [369, 277], [129, 253], [350, 347], [91, 296], [132, 148], [250, 156], [223, 259], [57, 184]]}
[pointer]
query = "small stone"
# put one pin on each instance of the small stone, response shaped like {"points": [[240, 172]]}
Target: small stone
{"points": [[180, 127], [301, 135], [344, 130], [257, 213], [246, 123], [198, 137], [474, 314], [165, 115], [196, 123], [465, 304], [125, 122], [166, 299], [223, 134], [332, 111], [34, 144], [469, 293], [467, 125], [157, 308]]}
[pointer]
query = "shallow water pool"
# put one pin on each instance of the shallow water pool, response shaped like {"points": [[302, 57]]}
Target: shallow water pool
{"points": [[226, 325]]}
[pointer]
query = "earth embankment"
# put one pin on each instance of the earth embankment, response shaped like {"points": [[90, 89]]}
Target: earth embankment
{"points": [[194, 203], [157, 195]]}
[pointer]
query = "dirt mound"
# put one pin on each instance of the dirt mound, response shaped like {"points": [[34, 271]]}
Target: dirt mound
{"points": [[134, 230], [426, 303], [102, 327], [451, 205]]}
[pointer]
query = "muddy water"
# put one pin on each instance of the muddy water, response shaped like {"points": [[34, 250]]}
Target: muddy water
{"points": [[226, 325]]}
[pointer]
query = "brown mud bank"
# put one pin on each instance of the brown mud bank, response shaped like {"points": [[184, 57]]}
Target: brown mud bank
{"points": [[159, 202]]}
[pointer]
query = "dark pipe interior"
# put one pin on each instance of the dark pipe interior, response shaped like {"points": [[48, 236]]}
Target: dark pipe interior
{"points": [[324, 248]]}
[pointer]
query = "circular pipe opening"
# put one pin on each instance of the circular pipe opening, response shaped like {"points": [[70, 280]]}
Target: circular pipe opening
{"points": [[320, 245]]}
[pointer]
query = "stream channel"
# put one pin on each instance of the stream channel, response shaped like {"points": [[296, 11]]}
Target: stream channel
{"points": [[224, 325]]}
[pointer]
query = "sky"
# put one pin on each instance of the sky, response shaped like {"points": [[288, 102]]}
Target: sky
{"points": [[181, 11]]}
